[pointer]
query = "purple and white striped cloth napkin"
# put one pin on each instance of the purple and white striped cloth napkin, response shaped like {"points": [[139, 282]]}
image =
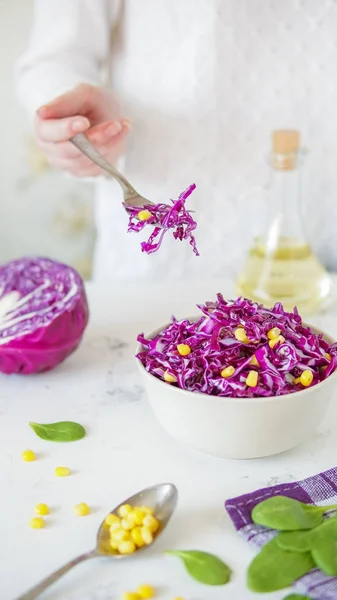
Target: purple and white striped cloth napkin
{"points": [[320, 489]]}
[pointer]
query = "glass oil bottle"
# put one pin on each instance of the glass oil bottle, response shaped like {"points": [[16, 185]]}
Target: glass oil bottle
{"points": [[281, 266]]}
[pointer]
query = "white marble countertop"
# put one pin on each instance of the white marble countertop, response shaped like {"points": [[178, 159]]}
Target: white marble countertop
{"points": [[124, 451]]}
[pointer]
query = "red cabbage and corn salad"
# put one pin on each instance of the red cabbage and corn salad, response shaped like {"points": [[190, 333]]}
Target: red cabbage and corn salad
{"points": [[239, 349], [164, 217]]}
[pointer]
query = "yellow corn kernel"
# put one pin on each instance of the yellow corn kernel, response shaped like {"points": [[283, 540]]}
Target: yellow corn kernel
{"points": [[183, 349], [124, 510], [28, 455], [306, 378], [144, 215], [129, 596], [114, 544], [37, 523], [41, 509], [129, 522], [136, 535], [146, 509], [251, 379], [151, 522], [62, 471], [227, 372], [273, 333], [138, 516], [147, 535], [110, 519], [327, 356], [296, 380], [127, 547], [82, 509], [241, 336], [145, 591], [254, 362], [279, 340], [169, 378], [120, 535], [115, 526]]}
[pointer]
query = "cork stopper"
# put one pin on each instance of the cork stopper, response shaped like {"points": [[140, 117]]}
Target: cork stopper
{"points": [[285, 147]]}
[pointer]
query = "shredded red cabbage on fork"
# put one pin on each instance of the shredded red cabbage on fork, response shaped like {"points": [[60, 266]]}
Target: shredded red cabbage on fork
{"points": [[164, 217], [210, 345]]}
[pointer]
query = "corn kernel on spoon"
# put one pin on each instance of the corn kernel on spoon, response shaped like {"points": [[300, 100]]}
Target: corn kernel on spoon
{"points": [[162, 498]]}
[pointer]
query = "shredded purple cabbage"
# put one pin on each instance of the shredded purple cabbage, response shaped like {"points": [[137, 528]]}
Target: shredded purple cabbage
{"points": [[164, 217], [213, 347]]}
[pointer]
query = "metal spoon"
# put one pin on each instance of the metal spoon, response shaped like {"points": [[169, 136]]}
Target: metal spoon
{"points": [[131, 197], [162, 498]]}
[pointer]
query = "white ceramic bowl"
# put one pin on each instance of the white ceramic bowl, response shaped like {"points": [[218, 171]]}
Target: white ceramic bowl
{"points": [[238, 428]]}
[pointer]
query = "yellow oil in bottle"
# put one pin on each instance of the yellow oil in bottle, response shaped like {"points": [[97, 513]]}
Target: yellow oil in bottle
{"points": [[281, 266], [289, 273]]}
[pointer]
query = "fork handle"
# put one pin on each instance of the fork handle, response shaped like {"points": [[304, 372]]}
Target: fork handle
{"points": [[82, 143], [45, 583]]}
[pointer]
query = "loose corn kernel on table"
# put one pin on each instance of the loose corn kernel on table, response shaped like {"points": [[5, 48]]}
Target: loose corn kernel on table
{"points": [[124, 451]]}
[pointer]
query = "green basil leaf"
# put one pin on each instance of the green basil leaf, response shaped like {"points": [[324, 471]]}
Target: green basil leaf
{"points": [[63, 431], [324, 554], [304, 541], [328, 530], [287, 514], [275, 569], [296, 541], [205, 568]]}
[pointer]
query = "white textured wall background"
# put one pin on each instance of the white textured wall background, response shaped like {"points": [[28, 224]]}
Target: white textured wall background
{"points": [[41, 212]]}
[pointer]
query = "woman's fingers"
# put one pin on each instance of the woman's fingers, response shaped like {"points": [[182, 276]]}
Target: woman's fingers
{"points": [[60, 130], [111, 132], [113, 137], [99, 135], [102, 133], [67, 157], [108, 139], [60, 150], [73, 102], [95, 102]]}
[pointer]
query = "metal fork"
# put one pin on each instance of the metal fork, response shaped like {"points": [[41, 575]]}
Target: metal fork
{"points": [[131, 196]]}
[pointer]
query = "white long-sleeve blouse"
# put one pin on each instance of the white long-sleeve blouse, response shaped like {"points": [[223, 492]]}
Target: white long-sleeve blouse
{"points": [[204, 83]]}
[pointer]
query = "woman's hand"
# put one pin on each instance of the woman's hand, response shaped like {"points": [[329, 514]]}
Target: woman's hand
{"points": [[85, 109]]}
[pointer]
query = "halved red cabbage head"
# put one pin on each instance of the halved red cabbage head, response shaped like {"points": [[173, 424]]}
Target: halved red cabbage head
{"points": [[212, 343], [164, 217], [43, 314]]}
